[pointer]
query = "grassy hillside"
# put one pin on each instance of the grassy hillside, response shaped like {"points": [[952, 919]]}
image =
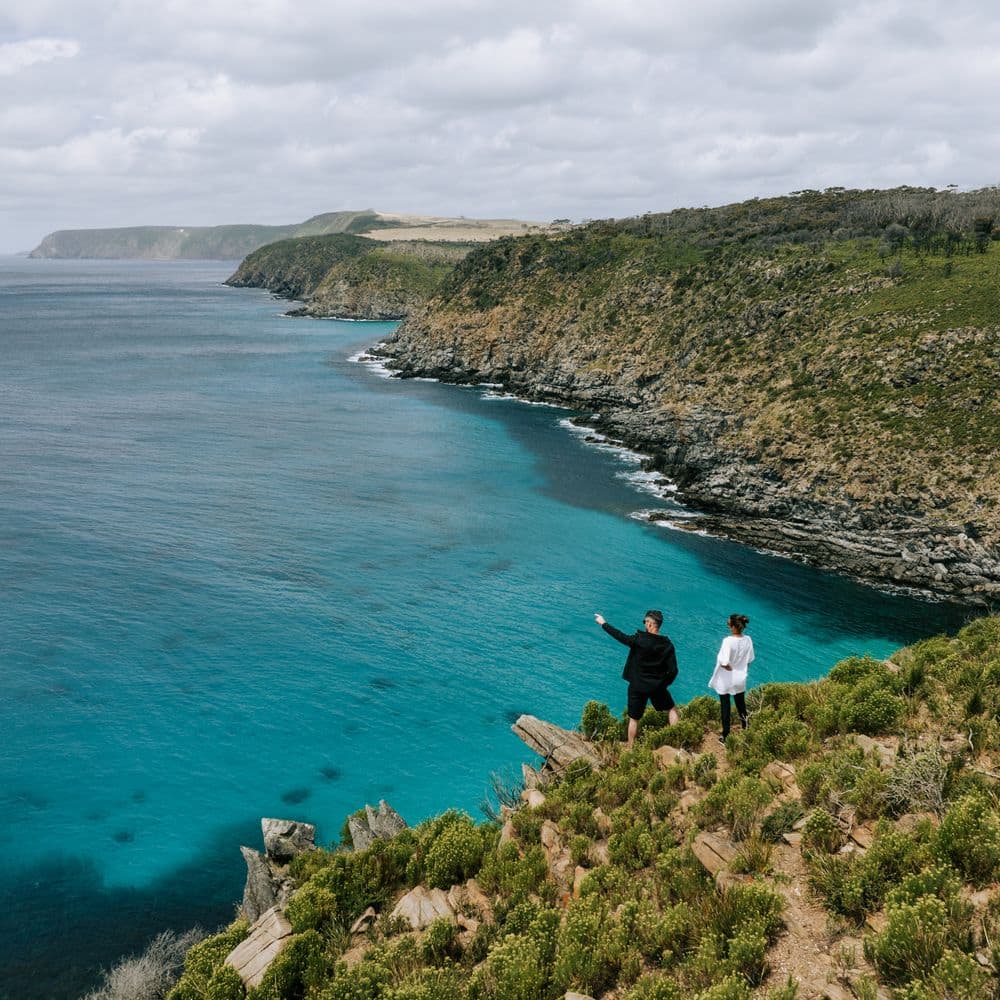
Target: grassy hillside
{"points": [[351, 276], [853, 832], [837, 350]]}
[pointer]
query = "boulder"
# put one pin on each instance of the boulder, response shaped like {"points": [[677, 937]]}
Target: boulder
{"points": [[885, 748], [560, 747], [284, 838], [783, 775], [421, 906], [364, 921], [253, 956], [376, 824], [668, 756], [533, 797], [713, 851]]}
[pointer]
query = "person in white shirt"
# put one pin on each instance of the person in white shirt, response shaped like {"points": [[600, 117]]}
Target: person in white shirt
{"points": [[730, 676]]}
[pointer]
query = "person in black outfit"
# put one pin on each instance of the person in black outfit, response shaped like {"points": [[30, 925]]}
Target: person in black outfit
{"points": [[650, 669]]}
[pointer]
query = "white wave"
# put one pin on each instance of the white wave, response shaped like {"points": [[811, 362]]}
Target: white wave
{"points": [[507, 397], [675, 522], [647, 482], [376, 365]]}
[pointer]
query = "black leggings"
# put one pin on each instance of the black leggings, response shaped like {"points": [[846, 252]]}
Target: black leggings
{"points": [[741, 707]]}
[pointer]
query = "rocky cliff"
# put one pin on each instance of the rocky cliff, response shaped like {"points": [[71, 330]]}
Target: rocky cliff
{"points": [[814, 381], [350, 277]]}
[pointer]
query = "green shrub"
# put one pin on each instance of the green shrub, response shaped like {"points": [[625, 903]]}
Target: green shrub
{"points": [[955, 977], [300, 966], [584, 962], [527, 823], [821, 832], [969, 838], [369, 980], [871, 708], [632, 849], [854, 886], [204, 959], [456, 854], [225, 984], [745, 804], [704, 770], [913, 942], [869, 794], [781, 820], [730, 988], [597, 723], [810, 779], [579, 818], [513, 970], [655, 986], [742, 907], [507, 874], [311, 908], [440, 941]]}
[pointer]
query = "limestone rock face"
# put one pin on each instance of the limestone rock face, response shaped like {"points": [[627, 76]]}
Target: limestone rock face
{"points": [[265, 887], [268, 882], [284, 838], [560, 747], [252, 957], [378, 824], [713, 851], [421, 906]]}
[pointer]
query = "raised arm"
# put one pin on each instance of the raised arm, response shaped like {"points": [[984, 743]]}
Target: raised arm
{"points": [[625, 640]]}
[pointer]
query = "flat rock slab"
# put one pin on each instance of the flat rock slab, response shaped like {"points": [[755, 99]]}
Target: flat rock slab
{"points": [[713, 851], [560, 747], [252, 957], [784, 775], [421, 906]]}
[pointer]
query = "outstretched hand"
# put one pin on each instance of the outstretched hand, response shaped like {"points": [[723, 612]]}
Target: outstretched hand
{"points": [[599, 619]]}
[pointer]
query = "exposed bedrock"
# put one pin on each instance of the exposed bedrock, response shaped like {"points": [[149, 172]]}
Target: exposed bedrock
{"points": [[899, 540]]}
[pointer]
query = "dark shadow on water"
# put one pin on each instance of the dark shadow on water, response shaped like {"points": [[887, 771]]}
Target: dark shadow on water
{"points": [[60, 924]]}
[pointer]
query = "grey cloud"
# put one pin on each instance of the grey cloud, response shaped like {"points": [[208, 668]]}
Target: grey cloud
{"points": [[186, 113]]}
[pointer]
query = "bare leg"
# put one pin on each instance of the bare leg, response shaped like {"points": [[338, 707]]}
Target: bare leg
{"points": [[633, 728], [674, 717]]}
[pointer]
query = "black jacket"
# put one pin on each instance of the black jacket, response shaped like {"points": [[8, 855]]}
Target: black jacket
{"points": [[652, 661]]}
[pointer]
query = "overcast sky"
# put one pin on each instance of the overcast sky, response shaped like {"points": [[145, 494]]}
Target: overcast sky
{"points": [[197, 112]]}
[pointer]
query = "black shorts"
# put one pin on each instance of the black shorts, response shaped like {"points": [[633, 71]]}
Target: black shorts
{"points": [[660, 697]]}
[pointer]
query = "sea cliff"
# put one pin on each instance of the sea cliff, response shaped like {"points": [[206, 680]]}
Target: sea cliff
{"points": [[818, 374]]}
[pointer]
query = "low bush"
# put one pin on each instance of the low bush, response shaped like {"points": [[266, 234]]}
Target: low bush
{"points": [[781, 820], [148, 976], [202, 961], [915, 938], [515, 878], [299, 968], [704, 770], [969, 838], [598, 723], [455, 853], [956, 976], [514, 970], [584, 961], [821, 832]]}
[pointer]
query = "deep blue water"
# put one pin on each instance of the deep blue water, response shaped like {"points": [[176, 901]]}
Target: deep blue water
{"points": [[241, 575]]}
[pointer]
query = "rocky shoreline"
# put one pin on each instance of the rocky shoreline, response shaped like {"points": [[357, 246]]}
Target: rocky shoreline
{"points": [[734, 495]]}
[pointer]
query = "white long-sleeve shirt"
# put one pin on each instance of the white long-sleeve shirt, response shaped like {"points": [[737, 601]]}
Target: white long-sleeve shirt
{"points": [[737, 651]]}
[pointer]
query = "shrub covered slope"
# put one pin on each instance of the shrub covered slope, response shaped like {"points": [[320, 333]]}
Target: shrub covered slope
{"points": [[818, 372], [859, 821]]}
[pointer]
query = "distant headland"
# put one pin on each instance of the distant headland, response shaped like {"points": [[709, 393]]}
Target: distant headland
{"points": [[236, 241]]}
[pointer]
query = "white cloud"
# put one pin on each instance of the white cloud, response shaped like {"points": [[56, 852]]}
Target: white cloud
{"points": [[17, 56], [179, 112]]}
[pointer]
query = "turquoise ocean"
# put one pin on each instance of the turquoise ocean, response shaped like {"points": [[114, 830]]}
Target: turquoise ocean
{"points": [[244, 575]]}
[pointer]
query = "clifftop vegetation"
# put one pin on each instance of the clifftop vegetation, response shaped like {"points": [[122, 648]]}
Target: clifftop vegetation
{"points": [[830, 355], [846, 845], [351, 276]]}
